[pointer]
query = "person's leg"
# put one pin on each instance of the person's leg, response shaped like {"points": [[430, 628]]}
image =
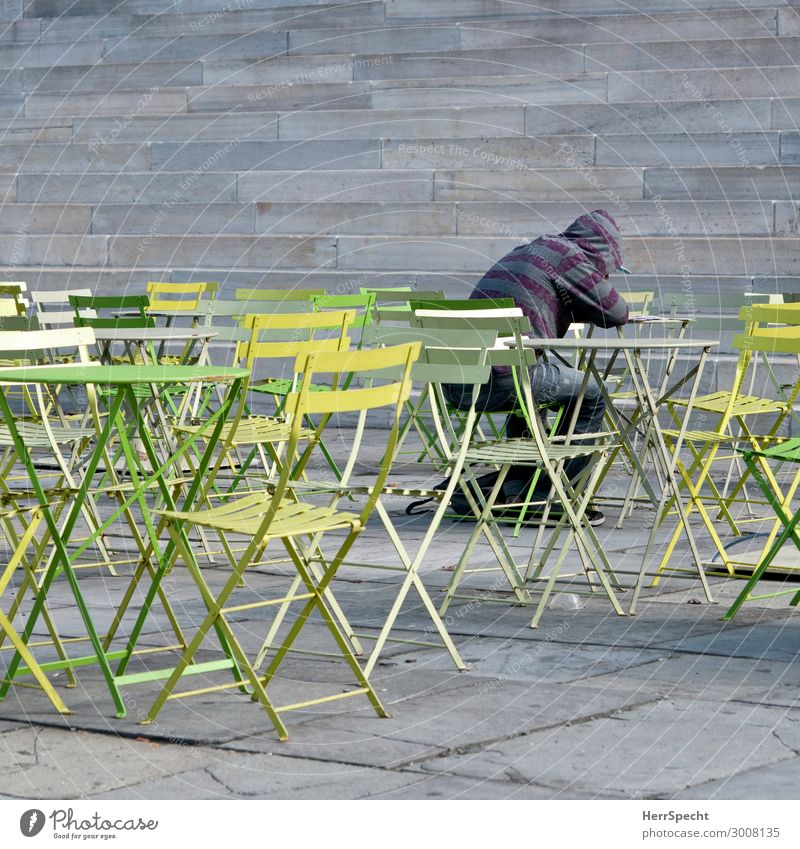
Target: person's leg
{"points": [[558, 384]]}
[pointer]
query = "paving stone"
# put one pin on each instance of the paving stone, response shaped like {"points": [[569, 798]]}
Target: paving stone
{"points": [[454, 787], [417, 123], [338, 186], [266, 155], [268, 777], [489, 710], [57, 764], [706, 677], [776, 781], [616, 754], [761, 641], [337, 745]]}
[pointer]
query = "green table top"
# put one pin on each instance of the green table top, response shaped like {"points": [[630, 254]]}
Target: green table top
{"points": [[120, 374]]}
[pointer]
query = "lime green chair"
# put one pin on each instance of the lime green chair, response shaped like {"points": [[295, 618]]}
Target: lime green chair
{"points": [[283, 516]]}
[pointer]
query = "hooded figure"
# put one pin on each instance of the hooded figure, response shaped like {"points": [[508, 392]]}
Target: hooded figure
{"points": [[555, 281], [558, 280]]}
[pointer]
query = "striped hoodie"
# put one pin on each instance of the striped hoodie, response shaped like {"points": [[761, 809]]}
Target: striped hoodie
{"points": [[558, 280]]}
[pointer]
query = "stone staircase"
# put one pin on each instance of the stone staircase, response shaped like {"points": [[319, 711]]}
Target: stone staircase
{"points": [[398, 142]]}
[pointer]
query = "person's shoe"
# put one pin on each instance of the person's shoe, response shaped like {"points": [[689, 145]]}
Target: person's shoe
{"points": [[593, 517]]}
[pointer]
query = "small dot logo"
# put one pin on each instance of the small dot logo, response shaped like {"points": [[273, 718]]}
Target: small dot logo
{"points": [[31, 822]]}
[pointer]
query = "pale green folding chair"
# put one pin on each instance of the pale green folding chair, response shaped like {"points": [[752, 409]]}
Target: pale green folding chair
{"points": [[740, 420], [302, 526], [446, 357]]}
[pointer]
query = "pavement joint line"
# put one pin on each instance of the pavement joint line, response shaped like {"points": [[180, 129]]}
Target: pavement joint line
{"points": [[479, 746]]}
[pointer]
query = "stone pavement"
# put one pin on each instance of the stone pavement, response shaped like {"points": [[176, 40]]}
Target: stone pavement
{"points": [[671, 703]]}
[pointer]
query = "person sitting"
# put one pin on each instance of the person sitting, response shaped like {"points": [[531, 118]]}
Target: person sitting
{"points": [[556, 281]]}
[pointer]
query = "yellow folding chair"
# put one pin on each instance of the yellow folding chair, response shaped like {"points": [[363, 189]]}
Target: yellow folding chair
{"points": [[302, 525]]}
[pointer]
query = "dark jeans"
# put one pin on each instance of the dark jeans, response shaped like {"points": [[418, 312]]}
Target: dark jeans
{"points": [[551, 383]]}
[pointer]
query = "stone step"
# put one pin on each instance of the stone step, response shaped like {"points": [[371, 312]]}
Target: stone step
{"points": [[266, 155], [43, 158], [489, 91], [742, 148], [56, 8], [711, 53], [177, 219], [229, 19], [459, 9], [48, 55], [282, 70], [34, 218], [335, 186], [24, 249], [117, 77], [668, 26], [281, 96], [454, 122], [597, 186], [493, 218], [257, 252], [125, 188], [49, 133], [732, 183], [522, 154], [104, 280], [108, 281], [124, 105], [221, 127], [718, 52], [257, 45], [651, 255], [722, 84], [650, 117], [503, 218]]}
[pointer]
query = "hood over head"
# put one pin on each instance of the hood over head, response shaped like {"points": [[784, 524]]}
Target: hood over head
{"points": [[597, 235]]}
